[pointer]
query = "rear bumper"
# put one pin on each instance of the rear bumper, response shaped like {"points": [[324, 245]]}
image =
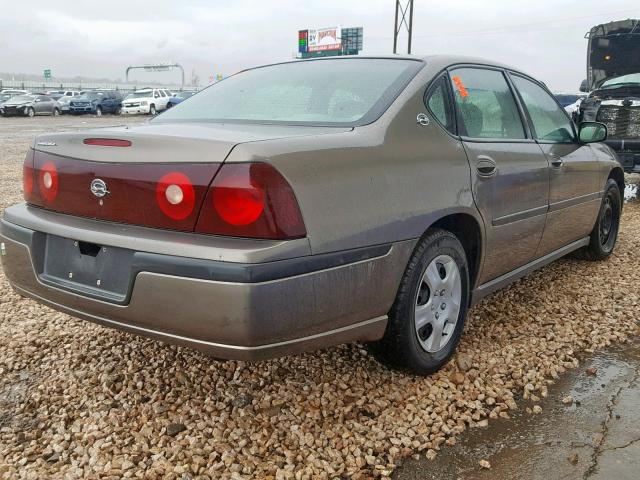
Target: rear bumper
{"points": [[232, 310]]}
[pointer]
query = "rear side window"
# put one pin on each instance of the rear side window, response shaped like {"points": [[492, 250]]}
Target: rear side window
{"points": [[438, 103], [486, 105], [550, 122]]}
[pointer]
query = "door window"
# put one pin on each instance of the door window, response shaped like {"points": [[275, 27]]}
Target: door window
{"points": [[486, 105], [437, 102], [550, 122]]}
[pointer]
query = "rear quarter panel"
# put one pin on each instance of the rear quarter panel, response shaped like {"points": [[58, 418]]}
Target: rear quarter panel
{"points": [[380, 183]]}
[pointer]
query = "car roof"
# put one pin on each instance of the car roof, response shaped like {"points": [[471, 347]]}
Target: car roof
{"points": [[440, 61]]}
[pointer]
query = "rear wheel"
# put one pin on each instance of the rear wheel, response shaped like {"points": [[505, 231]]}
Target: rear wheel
{"points": [[56, 112], [98, 111], [31, 112], [427, 317], [117, 111], [605, 232]]}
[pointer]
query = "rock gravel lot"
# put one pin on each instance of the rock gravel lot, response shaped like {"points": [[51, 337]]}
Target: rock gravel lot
{"points": [[81, 401]]}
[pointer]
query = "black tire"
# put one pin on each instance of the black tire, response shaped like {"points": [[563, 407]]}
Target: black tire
{"points": [[98, 111], [117, 111], [169, 105], [605, 232], [31, 112], [56, 112], [400, 347], [152, 109]]}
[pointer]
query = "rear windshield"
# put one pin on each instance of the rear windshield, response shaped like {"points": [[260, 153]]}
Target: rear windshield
{"points": [[91, 96], [142, 94], [324, 92]]}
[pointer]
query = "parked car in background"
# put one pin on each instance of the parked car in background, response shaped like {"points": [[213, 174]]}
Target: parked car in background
{"points": [[146, 100], [29, 106], [179, 97], [6, 96], [96, 102], [65, 100], [63, 93], [303, 204], [566, 99], [13, 91]]}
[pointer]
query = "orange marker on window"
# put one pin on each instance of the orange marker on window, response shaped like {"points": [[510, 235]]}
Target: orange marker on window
{"points": [[460, 86]]}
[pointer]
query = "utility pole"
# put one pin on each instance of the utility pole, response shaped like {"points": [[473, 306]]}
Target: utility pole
{"points": [[403, 22]]}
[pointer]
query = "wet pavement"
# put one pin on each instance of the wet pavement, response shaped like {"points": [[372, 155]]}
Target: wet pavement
{"points": [[597, 436]]}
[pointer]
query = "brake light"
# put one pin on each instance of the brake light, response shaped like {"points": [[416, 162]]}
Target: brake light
{"points": [[107, 142], [175, 195], [251, 200], [48, 182]]}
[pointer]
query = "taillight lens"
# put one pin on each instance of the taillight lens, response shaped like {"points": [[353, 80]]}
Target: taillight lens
{"points": [[27, 181], [251, 200], [28, 173], [175, 195], [48, 181]]}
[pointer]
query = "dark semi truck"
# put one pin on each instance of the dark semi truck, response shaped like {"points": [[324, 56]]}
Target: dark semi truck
{"points": [[613, 80]]}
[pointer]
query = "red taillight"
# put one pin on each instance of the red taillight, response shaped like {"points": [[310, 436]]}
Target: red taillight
{"points": [[48, 182], [27, 181], [175, 195], [107, 142], [238, 202], [251, 200]]}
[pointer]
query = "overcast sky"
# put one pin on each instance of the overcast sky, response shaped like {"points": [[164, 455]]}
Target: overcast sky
{"points": [[101, 38]]}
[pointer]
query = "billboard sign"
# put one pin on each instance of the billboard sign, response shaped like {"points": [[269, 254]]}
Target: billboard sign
{"points": [[324, 39]]}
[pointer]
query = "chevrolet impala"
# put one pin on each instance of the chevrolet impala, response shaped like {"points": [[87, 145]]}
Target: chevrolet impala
{"points": [[299, 205]]}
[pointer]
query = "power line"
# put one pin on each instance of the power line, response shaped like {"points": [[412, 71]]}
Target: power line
{"points": [[551, 24]]}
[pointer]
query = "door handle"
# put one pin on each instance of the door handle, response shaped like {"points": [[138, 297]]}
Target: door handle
{"points": [[556, 161], [486, 166]]}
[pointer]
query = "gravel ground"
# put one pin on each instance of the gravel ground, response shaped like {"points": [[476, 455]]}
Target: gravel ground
{"points": [[81, 401]]}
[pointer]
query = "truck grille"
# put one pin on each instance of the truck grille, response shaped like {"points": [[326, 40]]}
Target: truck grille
{"points": [[622, 122]]}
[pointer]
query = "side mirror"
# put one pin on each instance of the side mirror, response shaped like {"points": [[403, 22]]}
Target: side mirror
{"points": [[583, 86], [592, 132]]}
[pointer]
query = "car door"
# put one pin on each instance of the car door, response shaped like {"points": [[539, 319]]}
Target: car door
{"points": [[40, 105], [107, 102], [574, 192], [48, 105], [510, 175]]}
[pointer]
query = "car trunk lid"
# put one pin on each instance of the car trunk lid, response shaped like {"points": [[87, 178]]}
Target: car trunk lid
{"points": [[123, 174]]}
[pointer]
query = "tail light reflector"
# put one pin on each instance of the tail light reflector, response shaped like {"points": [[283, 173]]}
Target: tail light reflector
{"points": [[48, 181], [175, 195], [251, 200]]}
